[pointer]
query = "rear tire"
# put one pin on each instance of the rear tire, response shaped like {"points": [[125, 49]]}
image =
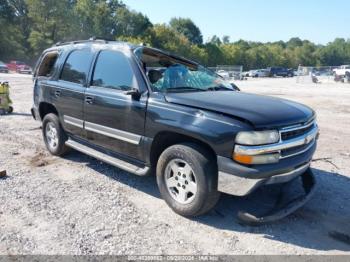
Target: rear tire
{"points": [[54, 135], [187, 179]]}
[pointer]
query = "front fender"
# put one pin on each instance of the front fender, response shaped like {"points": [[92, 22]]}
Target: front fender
{"points": [[216, 130]]}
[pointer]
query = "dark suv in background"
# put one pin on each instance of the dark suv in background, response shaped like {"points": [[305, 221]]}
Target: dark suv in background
{"points": [[145, 110], [279, 71]]}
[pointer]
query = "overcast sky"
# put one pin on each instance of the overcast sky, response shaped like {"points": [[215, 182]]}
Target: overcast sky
{"points": [[259, 20]]}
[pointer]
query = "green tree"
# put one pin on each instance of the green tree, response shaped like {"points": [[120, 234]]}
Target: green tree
{"points": [[29, 26], [52, 22], [215, 40], [167, 38], [109, 20], [226, 39], [188, 28], [335, 53], [131, 24], [12, 43], [294, 42]]}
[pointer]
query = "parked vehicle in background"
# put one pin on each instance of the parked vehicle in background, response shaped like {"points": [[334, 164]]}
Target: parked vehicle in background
{"points": [[260, 73], [245, 74], [224, 74], [3, 68], [14, 65], [341, 71], [347, 76], [279, 71], [183, 122], [291, 72], [19, 67], [296, 72], [251, 73], [25, 69]]}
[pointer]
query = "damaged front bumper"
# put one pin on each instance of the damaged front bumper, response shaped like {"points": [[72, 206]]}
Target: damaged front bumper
{"points": [[241, 186], [281, 211], [241, 180]]}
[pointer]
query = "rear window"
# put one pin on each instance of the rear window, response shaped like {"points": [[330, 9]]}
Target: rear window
{"points": [[77, 66], [47, 64]]}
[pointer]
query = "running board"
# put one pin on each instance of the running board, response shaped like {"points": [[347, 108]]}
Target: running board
{"points": [[107, 158]]}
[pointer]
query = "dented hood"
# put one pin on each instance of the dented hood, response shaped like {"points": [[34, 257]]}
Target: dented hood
{"points": [[260, 111]]}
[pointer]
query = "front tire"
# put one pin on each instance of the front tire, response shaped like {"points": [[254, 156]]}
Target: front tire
{"points": [[54, 135], [187, 179]]}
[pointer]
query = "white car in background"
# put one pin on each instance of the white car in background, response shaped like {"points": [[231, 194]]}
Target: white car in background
{"points": [[245, 73], [224, 74], [341, 71], [259, 73]]}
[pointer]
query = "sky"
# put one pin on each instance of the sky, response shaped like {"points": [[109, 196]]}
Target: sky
{"points": [[320, 21]]}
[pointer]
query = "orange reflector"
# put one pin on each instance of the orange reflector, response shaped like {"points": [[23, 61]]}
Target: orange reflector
{"points": [[243, 158]]}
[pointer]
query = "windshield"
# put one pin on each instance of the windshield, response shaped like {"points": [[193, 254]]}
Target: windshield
{"points": [[171, 74]]}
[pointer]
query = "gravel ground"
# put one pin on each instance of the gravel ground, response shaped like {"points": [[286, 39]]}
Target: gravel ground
{"points": [[78, 205]]}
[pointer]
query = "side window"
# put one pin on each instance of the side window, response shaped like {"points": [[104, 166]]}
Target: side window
{"points": [[113, 70], [47, 64], [77, 66]]}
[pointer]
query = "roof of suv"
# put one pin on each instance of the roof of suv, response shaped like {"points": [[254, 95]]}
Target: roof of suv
{"points": [[90, 42]]}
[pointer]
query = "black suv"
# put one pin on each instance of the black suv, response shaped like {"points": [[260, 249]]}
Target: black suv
{"points": [[145, 110], [279, 71]]}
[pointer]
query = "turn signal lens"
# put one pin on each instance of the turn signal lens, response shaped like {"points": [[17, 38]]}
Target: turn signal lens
{"points": [[258, 159], [243, 159]]}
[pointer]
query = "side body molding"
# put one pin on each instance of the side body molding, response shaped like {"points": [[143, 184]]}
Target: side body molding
{"points": [[103, 130]]}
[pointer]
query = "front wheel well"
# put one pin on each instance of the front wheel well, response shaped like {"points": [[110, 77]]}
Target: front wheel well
{"points": [[164, 140], [46, 108]]}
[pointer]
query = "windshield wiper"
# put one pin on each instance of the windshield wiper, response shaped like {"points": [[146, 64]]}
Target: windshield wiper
{"points": [[185, 89], [219, 88]]}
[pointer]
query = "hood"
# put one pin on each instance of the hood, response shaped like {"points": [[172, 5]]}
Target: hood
{"points": [[260, 111]]}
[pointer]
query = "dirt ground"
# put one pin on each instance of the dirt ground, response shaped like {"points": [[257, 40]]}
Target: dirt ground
{"points": [[78, 205]]}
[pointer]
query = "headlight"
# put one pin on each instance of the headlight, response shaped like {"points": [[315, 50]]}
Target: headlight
{"points": [[255, 138]]}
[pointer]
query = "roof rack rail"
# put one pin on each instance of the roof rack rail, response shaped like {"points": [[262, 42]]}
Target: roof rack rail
{"points": [[91, 39]]}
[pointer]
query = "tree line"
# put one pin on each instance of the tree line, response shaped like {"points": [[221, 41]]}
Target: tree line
{"points": [[30, 26]]}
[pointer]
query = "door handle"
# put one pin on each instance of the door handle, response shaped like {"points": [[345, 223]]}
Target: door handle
{"points": [[89, 100], [57, 93]]}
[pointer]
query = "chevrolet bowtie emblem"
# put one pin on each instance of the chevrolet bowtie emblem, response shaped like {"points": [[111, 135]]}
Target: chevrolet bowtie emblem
{"points": [[308, 139]]}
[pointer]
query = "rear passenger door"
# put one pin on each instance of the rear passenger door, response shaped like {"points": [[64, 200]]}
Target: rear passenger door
{"points": [[113, 119], [68, 94]]}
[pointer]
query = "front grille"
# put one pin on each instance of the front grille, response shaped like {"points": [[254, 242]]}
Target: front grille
{"points": [[294, 150], [296, 132]]}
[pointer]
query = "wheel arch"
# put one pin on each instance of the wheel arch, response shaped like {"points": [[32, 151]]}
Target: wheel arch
{"points": [[46, 108], [165, 139]]}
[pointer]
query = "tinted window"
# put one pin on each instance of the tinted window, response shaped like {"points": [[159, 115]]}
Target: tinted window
{"points": [[113, 70], [77, 66]]}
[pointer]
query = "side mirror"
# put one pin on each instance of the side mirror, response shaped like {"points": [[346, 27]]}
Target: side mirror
{"points": [[133, 92], [235, 87]]}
